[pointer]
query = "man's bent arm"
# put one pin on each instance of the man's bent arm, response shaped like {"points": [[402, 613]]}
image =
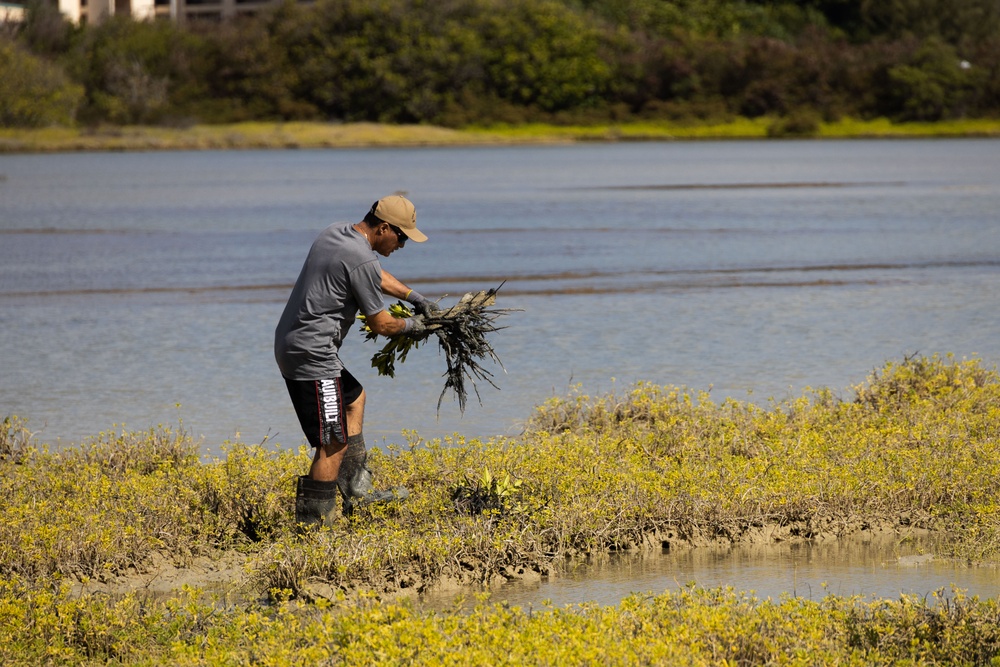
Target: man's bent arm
{"points": [[392, 286], [385, 324]]}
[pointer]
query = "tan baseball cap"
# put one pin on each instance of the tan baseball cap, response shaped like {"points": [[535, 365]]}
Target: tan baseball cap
{"points": [[400, 212]]}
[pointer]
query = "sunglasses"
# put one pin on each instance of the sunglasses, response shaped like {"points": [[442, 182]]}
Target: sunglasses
{"points": [[400, 236]]}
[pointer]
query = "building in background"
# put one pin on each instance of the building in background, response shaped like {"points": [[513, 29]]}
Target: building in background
{"points": [[186, 11], [95, 11], [181, 11], [11, 12]]}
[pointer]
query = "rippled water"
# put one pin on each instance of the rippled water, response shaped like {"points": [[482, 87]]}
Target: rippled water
{"points": [[143, 288]]}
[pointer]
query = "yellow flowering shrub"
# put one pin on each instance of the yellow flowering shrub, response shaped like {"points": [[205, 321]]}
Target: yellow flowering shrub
{"points": [[915, 446], [691, 626]]}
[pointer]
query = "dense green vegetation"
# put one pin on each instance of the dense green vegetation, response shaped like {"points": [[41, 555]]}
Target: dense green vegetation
{"points": [[479, 62], [914, 448]]}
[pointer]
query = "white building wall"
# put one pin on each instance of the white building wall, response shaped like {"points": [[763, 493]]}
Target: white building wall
{"points": [[10, 12], [97, 11], [70, 9], [143, 10]]}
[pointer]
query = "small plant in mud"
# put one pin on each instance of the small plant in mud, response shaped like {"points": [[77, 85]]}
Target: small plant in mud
{"points": [[487, 494]]}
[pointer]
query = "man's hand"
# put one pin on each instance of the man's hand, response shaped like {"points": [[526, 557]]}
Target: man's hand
{"points": [[415, 327], [422, 304]]}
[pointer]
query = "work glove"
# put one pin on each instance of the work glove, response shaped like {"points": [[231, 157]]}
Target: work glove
{"points": [[415, 327], [422, 304]]}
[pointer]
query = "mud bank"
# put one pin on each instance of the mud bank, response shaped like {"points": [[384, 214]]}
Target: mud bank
{"points": [[231, 574]]}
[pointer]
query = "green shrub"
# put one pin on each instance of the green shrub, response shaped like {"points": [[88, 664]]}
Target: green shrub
{"points": [[251, 491], [33, 92], [802, 123]]}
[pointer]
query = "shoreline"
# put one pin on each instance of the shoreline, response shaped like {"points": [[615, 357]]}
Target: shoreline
{"points": [[315, 135], [228, 572]]}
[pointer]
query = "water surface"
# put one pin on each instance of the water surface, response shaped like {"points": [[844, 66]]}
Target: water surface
{"points": [[143, 288], [872, 566]]}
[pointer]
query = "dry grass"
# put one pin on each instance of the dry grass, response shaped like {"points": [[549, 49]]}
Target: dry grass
{"points": [[251, 135]]}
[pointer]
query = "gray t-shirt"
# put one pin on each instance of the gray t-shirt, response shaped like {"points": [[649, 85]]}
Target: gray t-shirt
{"points": [[341, 275]]}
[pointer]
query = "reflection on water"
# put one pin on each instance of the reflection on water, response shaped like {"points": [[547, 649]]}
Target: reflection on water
{"points": [[873, 566]]}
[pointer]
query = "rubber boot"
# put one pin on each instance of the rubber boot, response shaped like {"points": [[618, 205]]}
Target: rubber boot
{"points": [[315, 503], [355, 479]]}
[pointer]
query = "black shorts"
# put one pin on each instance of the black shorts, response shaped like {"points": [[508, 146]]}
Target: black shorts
{"points": [[320, 404]]}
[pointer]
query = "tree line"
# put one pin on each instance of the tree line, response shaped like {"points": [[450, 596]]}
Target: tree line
{"points": [[463, 62]]}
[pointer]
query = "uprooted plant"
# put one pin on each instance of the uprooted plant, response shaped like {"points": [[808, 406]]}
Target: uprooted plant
{"points": [[462, 332]]}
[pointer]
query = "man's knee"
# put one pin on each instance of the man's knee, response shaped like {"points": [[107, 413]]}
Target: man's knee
{"points": [[330, 449], [358, 404]]}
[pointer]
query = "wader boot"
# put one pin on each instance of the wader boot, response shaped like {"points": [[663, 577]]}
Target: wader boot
{"points": [[315, 503], [355, 479]]}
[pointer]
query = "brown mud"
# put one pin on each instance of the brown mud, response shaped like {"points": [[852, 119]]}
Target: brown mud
{"points": [[228, 574]]}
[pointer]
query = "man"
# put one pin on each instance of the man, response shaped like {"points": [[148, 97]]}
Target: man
{"points": [[341, 276]]}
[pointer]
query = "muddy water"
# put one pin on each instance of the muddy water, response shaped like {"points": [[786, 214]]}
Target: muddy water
{"points": [[873, 566]]}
